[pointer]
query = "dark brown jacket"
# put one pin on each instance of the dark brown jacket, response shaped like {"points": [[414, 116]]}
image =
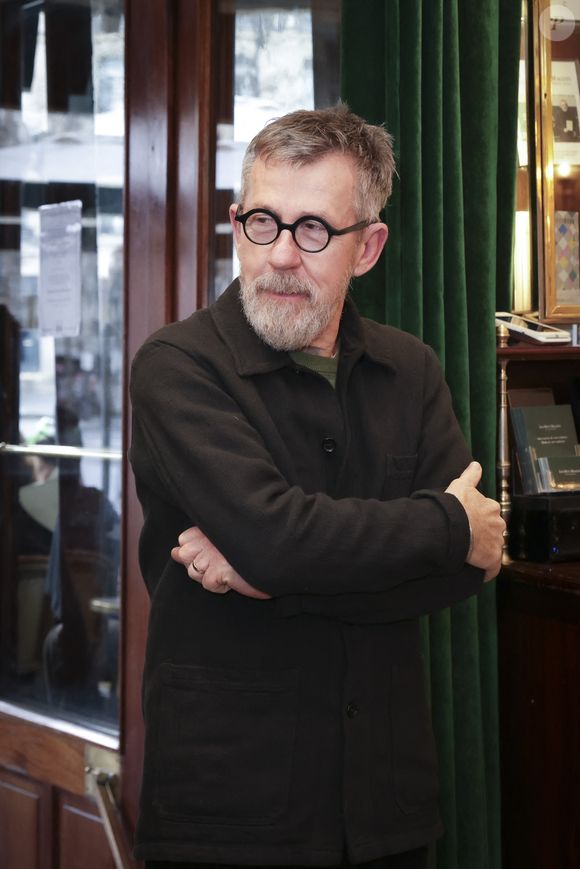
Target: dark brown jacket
{"points": [[282, 731]]}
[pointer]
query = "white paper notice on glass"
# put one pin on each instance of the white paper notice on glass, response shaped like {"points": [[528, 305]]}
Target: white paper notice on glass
{"points": [[59, 281]]}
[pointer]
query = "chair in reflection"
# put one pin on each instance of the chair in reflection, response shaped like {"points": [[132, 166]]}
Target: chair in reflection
{"points": [[31, 622], [80, 651]]}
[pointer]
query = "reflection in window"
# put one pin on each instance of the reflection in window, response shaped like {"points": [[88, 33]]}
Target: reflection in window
{"points": [[61, 139], [522, 301], [285, 56]]}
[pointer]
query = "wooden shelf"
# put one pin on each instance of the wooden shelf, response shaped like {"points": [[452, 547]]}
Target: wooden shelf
{"points": [[564, 575], [524, 351]]}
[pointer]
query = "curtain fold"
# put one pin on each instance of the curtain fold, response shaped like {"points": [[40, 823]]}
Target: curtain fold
{"points": [[442, 76]]}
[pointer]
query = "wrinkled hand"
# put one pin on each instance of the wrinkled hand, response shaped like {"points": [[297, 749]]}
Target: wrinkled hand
{"points": [[206, 565], [487, 526]]}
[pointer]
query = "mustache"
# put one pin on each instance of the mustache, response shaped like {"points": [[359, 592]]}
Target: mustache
{"points": [[282, 285]]}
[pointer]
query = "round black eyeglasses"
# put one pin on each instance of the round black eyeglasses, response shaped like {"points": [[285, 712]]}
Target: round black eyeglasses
{"points": [[311, 234]]}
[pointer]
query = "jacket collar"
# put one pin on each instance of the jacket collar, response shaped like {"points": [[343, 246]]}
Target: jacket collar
{"points": [[254, 356]]}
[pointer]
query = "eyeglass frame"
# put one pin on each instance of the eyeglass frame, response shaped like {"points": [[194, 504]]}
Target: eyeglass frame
{"points": [[292, 227]]}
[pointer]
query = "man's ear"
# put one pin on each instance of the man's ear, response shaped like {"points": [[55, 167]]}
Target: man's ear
{"points": [[373, 241], [236, 225]]}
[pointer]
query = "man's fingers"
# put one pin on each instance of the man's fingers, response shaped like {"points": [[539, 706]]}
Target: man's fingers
{"points": [[217, 585], [472, 474], [186, 553], [189, 535], [183, 554], [176, 554], [484, 519], [206, 565], [197, 566]]}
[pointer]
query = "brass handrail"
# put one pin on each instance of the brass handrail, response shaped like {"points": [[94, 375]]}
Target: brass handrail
{"points": [[101, 785], [60, 452]]}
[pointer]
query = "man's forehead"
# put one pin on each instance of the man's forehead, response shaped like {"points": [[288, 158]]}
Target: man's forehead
{"points": [[326, 173], [273, 163]]}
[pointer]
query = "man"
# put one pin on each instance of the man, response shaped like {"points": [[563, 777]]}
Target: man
{"points": [[332, 502]]}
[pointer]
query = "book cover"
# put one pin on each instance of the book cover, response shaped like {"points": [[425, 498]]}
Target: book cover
{"points": [[548, 429], [526, 460], [541, 431], [560, 473]]}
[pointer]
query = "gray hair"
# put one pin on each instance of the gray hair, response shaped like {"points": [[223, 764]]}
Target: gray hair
{"points": [[305, 136]]}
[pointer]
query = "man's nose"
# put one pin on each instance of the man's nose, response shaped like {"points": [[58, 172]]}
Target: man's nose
{"points": [[284, 252]]}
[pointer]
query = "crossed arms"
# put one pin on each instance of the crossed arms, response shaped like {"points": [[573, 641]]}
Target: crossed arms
{"points": [[212, 454], [206, 565]]}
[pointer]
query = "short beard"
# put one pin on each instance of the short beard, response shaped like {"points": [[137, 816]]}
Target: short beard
{"points": [[289, 328]]}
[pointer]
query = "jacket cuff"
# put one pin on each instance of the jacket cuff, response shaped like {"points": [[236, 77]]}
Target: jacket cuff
{"points": [[459, 531]]}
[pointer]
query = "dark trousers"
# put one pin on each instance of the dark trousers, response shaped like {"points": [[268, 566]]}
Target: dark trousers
{"points": [[408, 860]]}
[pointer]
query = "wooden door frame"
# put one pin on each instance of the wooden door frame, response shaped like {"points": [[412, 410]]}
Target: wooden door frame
{"points": [[168, 215]]}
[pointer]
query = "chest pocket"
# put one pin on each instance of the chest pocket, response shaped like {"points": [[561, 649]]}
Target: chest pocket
{"points": [[400, 472]]}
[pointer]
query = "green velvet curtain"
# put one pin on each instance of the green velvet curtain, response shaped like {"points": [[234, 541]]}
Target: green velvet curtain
{"points": [[442, 76]]}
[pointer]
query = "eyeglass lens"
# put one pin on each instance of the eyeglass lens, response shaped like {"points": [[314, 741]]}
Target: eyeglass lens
{"points": [[309, 234]]}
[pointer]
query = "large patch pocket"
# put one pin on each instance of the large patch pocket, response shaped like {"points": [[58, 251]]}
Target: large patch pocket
{"points": [[415, 772], [398, 482], [224, 743]]}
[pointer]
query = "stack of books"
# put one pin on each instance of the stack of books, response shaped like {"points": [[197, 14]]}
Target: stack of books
{"points": [[547, 449]]}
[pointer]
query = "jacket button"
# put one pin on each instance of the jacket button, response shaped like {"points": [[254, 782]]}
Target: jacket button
{"points": [[328, 445], [352, 710]]}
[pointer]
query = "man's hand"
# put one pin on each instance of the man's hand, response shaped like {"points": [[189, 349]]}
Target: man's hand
{"points": [[206, 565], [487, 526]]}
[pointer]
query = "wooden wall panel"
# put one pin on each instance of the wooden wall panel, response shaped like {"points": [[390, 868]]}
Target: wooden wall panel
{"points": [[82, 843], [19, 823], [25, 841], [45, 828], [539, 639], [43, 753]]}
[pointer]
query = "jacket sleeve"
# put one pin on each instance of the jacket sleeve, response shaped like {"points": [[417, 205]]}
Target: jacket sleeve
{"points": [[194, 449], [442, 456], [418, 597]]}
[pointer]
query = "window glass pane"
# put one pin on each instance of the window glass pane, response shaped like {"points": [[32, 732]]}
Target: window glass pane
{"points": [[61, 327], [274, 58]]}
